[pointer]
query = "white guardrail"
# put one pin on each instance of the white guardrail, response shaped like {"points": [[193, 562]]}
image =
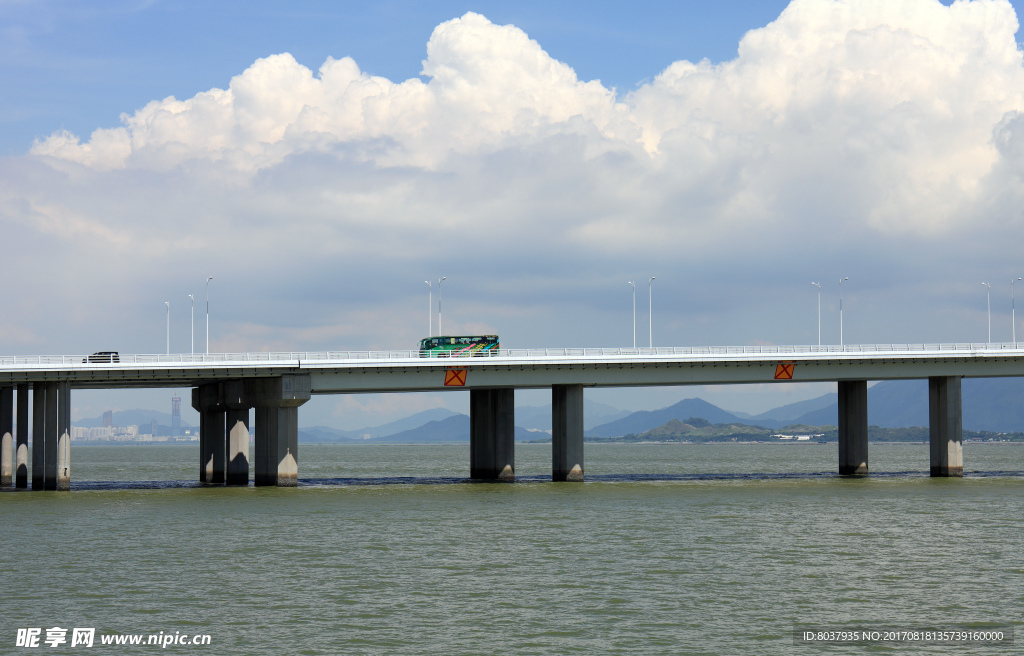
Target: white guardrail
{"points": [[583, 353]]}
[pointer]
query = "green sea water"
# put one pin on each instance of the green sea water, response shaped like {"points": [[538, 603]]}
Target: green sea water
{"points": [[666, 549]]}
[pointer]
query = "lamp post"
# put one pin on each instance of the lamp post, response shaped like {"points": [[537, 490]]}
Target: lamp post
{"points": [[989, 303], [841, 281], [650, 311], [633, 285], [430, 309], [208, 279], [168, 304], [193, 333], [818, 285], [439, 281], [1013, 316]]}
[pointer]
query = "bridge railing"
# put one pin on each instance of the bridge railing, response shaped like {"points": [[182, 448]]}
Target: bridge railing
{"points": [[185, 359]]}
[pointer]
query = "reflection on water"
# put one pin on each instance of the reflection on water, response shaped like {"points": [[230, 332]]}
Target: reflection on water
{"points": [[171, 467], [591, 478]]}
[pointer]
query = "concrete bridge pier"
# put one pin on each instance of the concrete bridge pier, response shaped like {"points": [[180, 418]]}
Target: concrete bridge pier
{"points": [[492, 434], [265, 452], [209, 401], [38, 439], [6, 436], [277, 402], [237, 405], [64, 436], [853, 427], [945, 424], [567, 432], [21, 439], [50, 435]]}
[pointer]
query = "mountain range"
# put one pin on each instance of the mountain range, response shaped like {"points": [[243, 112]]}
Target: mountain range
{"points": [[989, 404], [440, 425]]}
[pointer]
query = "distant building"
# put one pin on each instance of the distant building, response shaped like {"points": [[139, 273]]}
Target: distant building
{"points": [[154, 432], [108, 418], [175, 416]]}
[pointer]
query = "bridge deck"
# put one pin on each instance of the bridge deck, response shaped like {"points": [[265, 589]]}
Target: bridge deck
{"points": [[391, 371]]}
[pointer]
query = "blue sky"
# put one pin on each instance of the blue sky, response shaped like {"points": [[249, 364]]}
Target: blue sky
{"points": [[322, 159], [80, 65]]}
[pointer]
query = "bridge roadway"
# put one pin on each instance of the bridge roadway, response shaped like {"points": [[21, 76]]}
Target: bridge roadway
{"points": [[227, 386]]}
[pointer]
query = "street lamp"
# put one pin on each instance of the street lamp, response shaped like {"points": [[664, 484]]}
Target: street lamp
{"points": [[650, 311], [989, 295], [193, 333], [168, 304], [1013, 316], [208, 279], [430, 309], [818, 285], [439, 281], [631, 283], [841, 281]]}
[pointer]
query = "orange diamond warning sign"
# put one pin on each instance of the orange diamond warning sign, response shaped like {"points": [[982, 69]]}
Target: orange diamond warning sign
{"points": [[784, 370], [454, 377]]}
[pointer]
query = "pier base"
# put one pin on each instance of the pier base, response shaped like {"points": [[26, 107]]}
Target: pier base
{"points": [[208, 400], [567, 433], [21, 439], [6, 436], [64, 436], [277, 402], [238, 432], [945, 425], [853, 427], [492, 434]]}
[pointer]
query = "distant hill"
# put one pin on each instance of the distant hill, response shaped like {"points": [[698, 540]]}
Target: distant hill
{"points": [[452, 429], [594, 414], [328, 435], [645, 420], [400, 425], [787, 413], [671, 429], [989, 404]]}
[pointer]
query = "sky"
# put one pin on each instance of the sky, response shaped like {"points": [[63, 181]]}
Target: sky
{"points": [[321, 160]]}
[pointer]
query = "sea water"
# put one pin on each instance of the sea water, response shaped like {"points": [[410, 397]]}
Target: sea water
{"points": [[665, 549]]}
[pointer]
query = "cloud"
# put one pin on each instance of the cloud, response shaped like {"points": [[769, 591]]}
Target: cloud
{"points": [[488, 84], [882, 137], [898, 98]]}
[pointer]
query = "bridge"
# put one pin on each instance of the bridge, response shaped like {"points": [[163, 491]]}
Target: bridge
{"points": [[225, 387]]}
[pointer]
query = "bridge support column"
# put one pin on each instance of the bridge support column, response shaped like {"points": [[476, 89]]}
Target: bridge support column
{"points": [[265, 453], [209, 401], [492, 434], [277, 403], [853, 427], [64, 436], [38, 439], [945, 425], [238, 432], [21, 440], [567, 432], [6, 436], [50, 434]]}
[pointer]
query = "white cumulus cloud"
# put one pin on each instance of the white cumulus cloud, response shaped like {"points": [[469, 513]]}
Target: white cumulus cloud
{"points": [[877, 135]]}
